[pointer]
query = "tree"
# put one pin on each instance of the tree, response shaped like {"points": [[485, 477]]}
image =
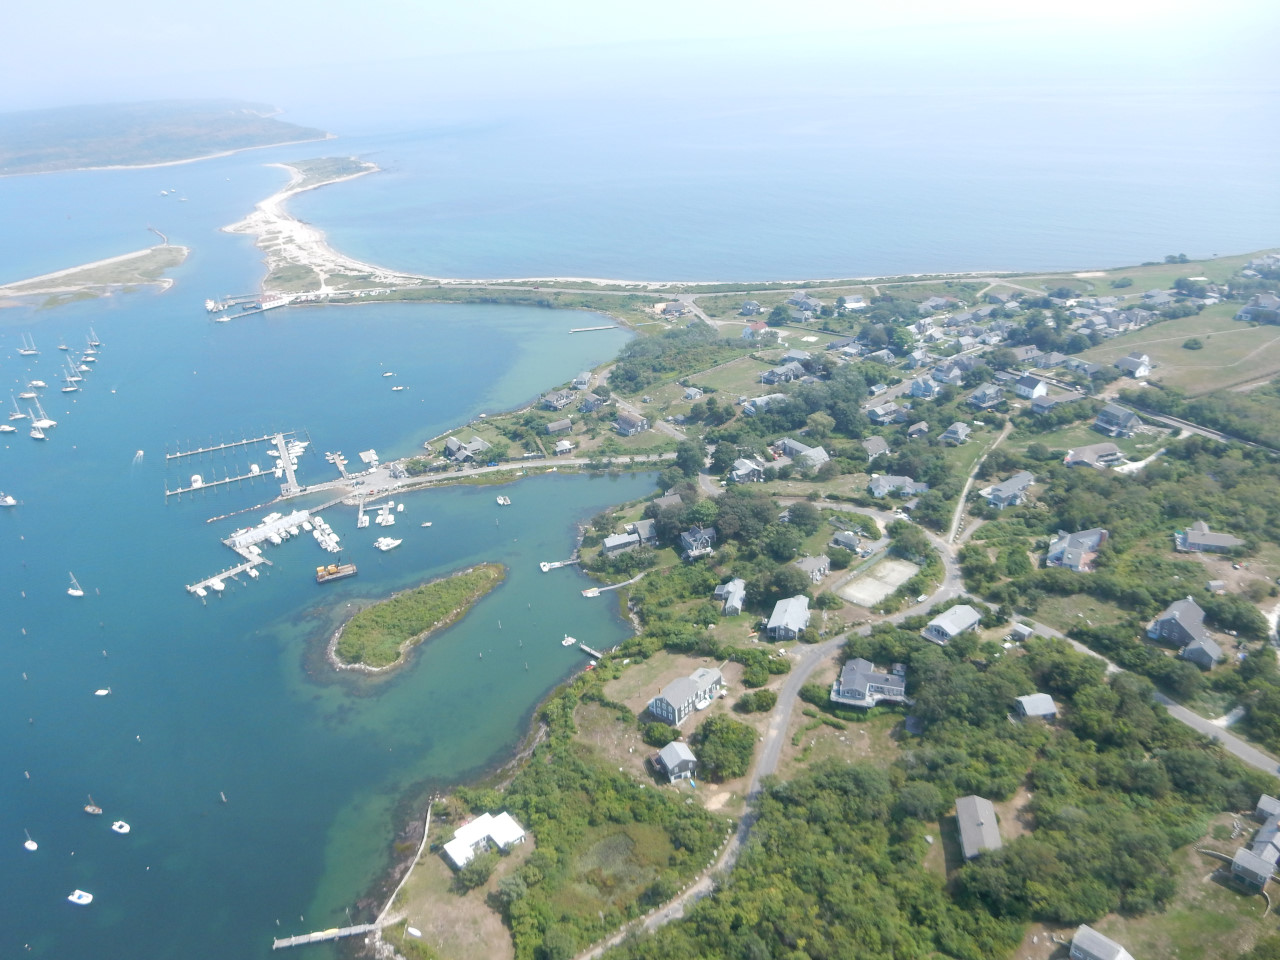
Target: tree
{"points": [[778, 316], [820, 424], [781, 542], [827, 600], [476, 873], [804, 517], [690, 458], [840, 557], [724, 747], [787, 581]]}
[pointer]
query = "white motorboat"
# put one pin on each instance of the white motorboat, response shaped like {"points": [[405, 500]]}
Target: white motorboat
{"points": [[7, 428], [30, 846], [427, 523], [388, 374], [104, 692], [504, 501], [7, 500], [37, 384], [74, 590], [386, 543], [568, 641], [218, 585], [201, 592], [27, 395], [62, 346], [120, 827], [252, 571], [81, 898]]}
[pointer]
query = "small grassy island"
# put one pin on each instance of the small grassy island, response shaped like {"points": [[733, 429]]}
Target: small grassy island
{"points": [[138, 134], [379, 636]]}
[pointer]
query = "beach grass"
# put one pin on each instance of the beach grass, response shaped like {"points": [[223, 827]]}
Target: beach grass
{"points": [[380, 635]]}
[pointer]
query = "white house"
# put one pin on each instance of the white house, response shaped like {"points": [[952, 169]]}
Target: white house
{"points": [[474, 837], [1029, 387], [789, 617], [949, 624]]}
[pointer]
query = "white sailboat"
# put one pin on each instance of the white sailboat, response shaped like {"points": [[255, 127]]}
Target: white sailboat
{"points": [[93, 339], [43, 421], [36, 432], [62, 345], [30, 846], [28, 348], [74, 590], [16, 414], [568, 641]]}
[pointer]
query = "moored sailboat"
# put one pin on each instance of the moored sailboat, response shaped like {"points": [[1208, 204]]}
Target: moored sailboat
{"points": [[74, 590]]}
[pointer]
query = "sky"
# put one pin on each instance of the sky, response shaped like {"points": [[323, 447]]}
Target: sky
{"points": [[320, 58]]}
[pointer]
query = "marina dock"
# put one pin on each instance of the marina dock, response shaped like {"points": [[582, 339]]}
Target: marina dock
{"points": [[229, 574], [334, 933], [214, 449]]}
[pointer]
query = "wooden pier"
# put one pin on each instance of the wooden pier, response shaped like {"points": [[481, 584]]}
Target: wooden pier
{"points": [[214, 449], [228, 574], [607, 326], [333, 933], [587, 650], [209, 484]]}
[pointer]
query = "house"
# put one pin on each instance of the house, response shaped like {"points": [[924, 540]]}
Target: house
{"points": [[986, 396], [1008, 493], [675, 309], [1096, 455], [684, 695], [1050, 360], [847, 540], [855, 303], [750, 309], [676, 760], [558, 399], [1036, 706], [1181, 623], [1203, 652], [1136, 365], [917, 358], [803, 302], [562, 447], [746, 471], [629, 424], [617, 543], [784, 373], [861, 685], [806, 456], [1254, 865], [1198, 539], [957, 433], [1261, 308], [761, 404], [877, 388], [1029, 387], [1266, 807], [752, 331], [590, 403], [882, 356], [1075, 551], [815, 568], [646, 530], [1026, 353], [460, 452], [948, 373], [796, 356], [924, 389], [1021, 633], [1117, 421], [1045, 404], [789, 617], [474, 837], [668, 502], [875, 446], [1089, 944], [692, 393], [582, 381], [934, 303], [1085, 367], [884, 413], [696, 542], [917, 429], [732, 596], [949, 624], [882, 486], [560, 426], [979, 831]]}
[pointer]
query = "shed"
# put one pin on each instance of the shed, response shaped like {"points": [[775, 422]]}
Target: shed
{"points": [[1037, 705]]}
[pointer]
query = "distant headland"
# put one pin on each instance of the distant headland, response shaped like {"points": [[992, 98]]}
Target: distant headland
{"points": [[155, 133]]}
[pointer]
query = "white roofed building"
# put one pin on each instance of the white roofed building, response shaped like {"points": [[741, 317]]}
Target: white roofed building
{"points": [[474, 837]]}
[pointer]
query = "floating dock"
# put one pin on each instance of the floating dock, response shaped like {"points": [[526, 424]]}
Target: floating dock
{"points": [[334, 933]]}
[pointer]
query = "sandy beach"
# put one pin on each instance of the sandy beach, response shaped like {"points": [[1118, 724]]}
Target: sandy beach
{"points": [[80, 277]]}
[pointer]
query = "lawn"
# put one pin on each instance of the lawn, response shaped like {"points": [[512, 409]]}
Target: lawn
{"points": [[740, 377], [1082, 434], [1080, 610], [1233, 351]]}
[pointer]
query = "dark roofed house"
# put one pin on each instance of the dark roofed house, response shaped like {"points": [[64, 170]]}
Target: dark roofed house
{"points": [[1261, 308], [677, 761], [684, 695], [1136, 365], [558, 399], [875, 446], [861, 685], [979, 831], [846, 539], [1029, 387], [1117, 421], [784, 373], [1198, 538], [1254, 865], [1008, 493], [1204, 652], [1097, 455], [668, 502], [986, 396], [629, 424], [590, 403], [750, 308], [461, 452], [1089, 944], [746, 471], [917, 429], [697, 542], [1181, 623], [1026, 353], [560, 426], [1047, 403], [675, 309]]}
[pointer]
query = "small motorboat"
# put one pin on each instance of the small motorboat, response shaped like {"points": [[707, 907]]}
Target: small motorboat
{"points": [[568, 641], [120, 827], [104, 692], [81, 898], [92, 808], [396, 389], [386, 543], [427, 523], [7, 500], [6, 428], [388, 374], [30, 846]]}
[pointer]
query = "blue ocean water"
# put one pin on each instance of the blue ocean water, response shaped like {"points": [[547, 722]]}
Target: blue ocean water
{"points": [[231, 696]]}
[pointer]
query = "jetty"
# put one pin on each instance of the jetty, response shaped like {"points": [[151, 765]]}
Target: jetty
{"points": [[607, 326], [333, 933]]}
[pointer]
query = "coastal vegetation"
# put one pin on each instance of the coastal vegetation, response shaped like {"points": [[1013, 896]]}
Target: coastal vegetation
{"points": [[131, 269], [379, 636], [137, 134]]}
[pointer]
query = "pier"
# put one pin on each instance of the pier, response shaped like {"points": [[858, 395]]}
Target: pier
{"points": [[547, 566], [209, 484], [228, 574], [587, 650], [334, 933], [214, 449], [607, 326], [290, 486]]}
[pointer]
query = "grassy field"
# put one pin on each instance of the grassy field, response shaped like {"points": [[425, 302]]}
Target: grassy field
{"points": [[142, 266], [1066, 613], [1082, 434], [379, 636], [1233, 352]]}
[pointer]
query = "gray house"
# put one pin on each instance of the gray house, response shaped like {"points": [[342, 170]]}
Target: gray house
{"points": [[684, 695], [590, 403], [461, 452], [949, 624], [750, 308], [986, 396], [629, 424], [1262, 307], [697, 542], [1204, 652], [783, 373], [1198, 538], [1117, 421], [884, 485], [582, 381], [677, 761], [733, 595], [618, 543], [1008, 493], [1075, 551], [1029, 387], [861, 685], [1254, 865], [979, 831], [559, 426], [558, 399], [1089, 944], [1096, 455], [1181, 623], [1036, 706], [789, 617], [957, 433], [646, 530], [846, 539], [815, 568], [746, 471], [875, 446]]}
